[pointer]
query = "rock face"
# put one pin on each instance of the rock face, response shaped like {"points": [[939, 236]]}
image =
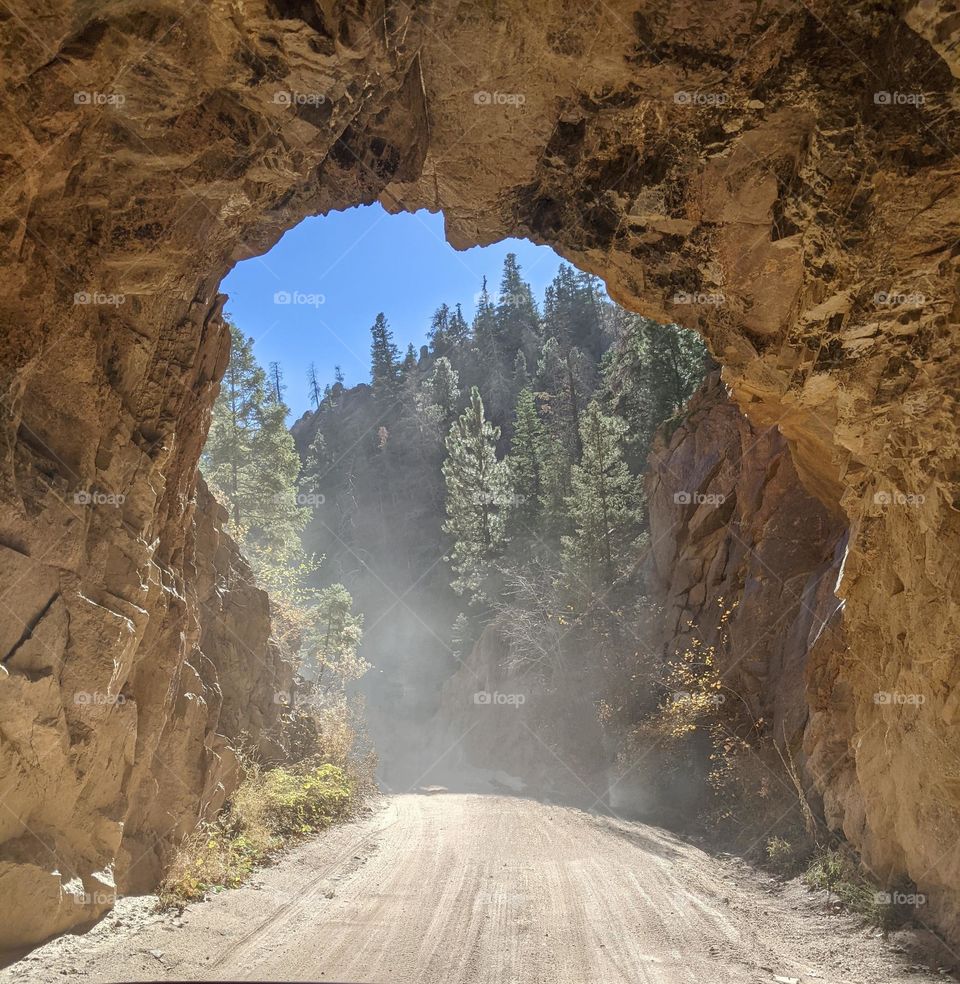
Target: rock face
{"points": [[781, 176], [733, 530], [730, 523], [120, 713]]}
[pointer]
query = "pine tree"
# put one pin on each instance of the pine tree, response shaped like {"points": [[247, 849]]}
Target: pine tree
{"points": [[651, 372], [439, 333], [524, 462], [409, 366], [276, 381], [313, 385], [593, 337], [492, 369], [521, 378], [573, 311], [383, 360], [250, 457], [485, 322], [604, 502], [227, 453], [518, 321], [555, 488], [477, 489], [550, 366], [332, 640], [313, 470], [275, 515], [443, 387], [458, 329]]}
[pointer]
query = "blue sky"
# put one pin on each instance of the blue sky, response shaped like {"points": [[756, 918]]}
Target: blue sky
{"points": [[314, 296]]}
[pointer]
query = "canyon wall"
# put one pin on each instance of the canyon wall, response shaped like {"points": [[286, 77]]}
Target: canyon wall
{"points": [[781, 177], [734, 535], [120, 708]]}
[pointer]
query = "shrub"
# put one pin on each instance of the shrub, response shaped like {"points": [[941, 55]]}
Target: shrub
{"points": [[839, 875], [269, 809], [709, 759], [781, 855], [331, 730], [287, 803]]}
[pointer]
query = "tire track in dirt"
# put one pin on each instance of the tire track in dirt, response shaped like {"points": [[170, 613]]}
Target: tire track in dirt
{"points": [[237, 954], [471, 889]]}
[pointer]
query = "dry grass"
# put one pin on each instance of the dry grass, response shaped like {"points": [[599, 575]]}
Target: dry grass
{"points": [[332, 775], [269, 809]]}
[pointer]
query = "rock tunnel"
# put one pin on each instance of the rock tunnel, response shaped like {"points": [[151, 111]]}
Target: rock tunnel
{"points": [[781, 176]]}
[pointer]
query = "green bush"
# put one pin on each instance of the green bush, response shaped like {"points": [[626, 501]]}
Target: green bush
{"points": [[298, 803], [269, 809], [840, 876]]}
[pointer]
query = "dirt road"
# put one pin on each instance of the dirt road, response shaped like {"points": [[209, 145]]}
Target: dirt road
{"points": [[464, 888]]}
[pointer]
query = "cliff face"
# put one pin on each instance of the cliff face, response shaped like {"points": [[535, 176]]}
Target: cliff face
{"points": [[119, 715], [782, 177], [733, 530]]}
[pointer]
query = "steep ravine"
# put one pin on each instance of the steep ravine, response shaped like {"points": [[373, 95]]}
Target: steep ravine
{"points": [[764, 173]]}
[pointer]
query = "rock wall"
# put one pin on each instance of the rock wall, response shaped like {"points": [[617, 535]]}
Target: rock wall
{"points": [[119, 713], [732, 531], [781, 176]]}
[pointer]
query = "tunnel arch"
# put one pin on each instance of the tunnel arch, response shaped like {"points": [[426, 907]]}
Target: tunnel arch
{"points": [[769, 176]]}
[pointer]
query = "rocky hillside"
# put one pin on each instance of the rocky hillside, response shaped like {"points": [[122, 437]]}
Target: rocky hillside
{"points": [[782, 176]]}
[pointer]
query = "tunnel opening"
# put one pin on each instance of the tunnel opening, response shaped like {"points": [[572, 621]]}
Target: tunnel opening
{"points": [[367, 524]]}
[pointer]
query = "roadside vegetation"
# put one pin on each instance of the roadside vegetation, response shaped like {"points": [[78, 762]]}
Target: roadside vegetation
{"points": [[270, 809], [316, 766]]}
